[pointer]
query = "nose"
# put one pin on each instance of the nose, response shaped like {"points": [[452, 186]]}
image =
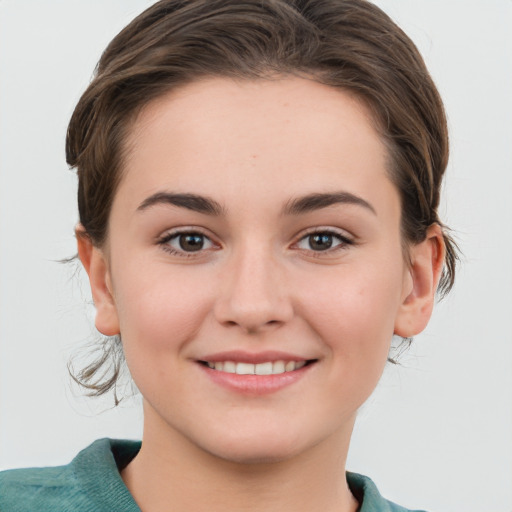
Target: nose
{"points": [[253, 293]]}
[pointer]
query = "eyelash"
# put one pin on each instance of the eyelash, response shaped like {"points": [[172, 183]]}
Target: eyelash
{"points": [[343, 240], [165, 239]]}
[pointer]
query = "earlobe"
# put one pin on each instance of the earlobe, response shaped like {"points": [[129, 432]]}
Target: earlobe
{"points": [[96, 265], [426, 265]]}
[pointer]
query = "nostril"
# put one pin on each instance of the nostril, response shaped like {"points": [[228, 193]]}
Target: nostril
{"points": [[251, 312]]}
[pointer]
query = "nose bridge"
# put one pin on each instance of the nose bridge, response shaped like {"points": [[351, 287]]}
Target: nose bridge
{"points": [[254, 294]]}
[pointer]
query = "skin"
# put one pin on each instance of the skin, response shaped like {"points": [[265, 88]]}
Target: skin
{"points": [[258, 284]]}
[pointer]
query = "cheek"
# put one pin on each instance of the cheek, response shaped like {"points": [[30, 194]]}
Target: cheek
{"points": [[353, 311], [158, 311]]}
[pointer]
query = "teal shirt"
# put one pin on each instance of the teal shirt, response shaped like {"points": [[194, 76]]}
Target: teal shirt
{"points": [[92, 483]]}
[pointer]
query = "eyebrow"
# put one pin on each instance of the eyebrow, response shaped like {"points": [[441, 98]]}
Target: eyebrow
{"points": [[192, 202], [297, 206], [318, 201]]}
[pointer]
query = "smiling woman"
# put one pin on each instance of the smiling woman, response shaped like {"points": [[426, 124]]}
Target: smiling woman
{"points": [[258, 194], [271, 267]]}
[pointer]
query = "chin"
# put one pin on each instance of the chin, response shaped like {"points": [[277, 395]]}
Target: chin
{"points": [[264, 446], [253, 455]]}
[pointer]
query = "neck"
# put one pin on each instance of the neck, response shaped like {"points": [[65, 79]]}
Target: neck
{"points": [[170, 472]]}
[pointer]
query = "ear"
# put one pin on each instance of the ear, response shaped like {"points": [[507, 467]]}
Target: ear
{"points": [[96, 265], [420, 285]]}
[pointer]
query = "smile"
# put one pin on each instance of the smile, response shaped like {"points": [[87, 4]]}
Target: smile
{"points": [[255, 374], [265, 368]]}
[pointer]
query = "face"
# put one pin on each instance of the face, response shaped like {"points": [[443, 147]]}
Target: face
{"points": [[254, 266]]}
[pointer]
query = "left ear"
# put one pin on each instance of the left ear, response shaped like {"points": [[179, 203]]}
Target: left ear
{"points": [[426, 265]]}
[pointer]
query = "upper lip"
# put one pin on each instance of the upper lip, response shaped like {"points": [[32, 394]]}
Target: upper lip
{"points": [[240, 356]]}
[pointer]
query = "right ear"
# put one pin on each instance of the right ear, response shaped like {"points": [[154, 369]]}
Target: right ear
{"points": [[96, 265]]}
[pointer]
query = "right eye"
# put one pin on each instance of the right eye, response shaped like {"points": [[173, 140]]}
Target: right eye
{"points": [[185, 243]]}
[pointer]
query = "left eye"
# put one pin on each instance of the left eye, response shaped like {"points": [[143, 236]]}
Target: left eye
{"points": [[322, 241], [189, 242]]}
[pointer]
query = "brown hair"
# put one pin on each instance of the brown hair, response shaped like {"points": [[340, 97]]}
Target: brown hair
{"points": [[347, 44]]}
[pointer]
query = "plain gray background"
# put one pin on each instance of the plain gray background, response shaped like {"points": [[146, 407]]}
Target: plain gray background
{"points": [[437, 433]]}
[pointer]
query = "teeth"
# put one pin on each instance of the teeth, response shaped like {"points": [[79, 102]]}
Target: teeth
{"points": [[263, 368], [243, 369], [278, 367], [229, 367], [268, 368]]}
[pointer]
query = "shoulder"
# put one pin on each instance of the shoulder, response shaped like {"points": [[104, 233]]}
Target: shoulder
{"points": [[367, 494], [38, 489], [89, 483]]}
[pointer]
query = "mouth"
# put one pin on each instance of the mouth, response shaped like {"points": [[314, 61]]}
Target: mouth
{"points": [[255, 374], [264, 368]]}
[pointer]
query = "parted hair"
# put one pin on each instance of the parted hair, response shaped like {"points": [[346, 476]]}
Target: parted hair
{"points": [[347, 44]]}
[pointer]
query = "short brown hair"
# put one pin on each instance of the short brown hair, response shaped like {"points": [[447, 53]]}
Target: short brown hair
{"points": [[346, 44]]}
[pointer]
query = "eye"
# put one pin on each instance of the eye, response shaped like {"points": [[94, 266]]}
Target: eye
{"points": [[322, 241], [186, 242]]}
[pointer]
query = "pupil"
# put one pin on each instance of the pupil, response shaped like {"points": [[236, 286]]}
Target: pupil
{"points": [[191, 242], [320, 242]]}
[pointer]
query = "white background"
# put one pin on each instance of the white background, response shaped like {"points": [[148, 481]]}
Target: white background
{"points": [[437, 433]]}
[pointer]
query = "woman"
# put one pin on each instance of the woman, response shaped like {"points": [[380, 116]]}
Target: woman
{"points": [[258, 193]]}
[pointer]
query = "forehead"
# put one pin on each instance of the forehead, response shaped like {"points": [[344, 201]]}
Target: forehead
{"points": [[266, 136]]}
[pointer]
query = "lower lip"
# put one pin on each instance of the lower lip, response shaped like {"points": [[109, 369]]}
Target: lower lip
{"points": [[256, 384]]}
